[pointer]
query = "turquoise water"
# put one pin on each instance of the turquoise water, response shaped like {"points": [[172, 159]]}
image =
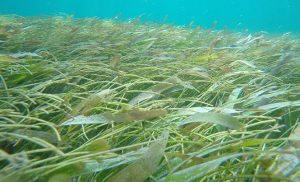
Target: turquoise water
{"points": [[275, 16]]}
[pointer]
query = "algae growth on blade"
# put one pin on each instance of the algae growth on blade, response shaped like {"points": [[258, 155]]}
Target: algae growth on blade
{"points": [[93, 99]]}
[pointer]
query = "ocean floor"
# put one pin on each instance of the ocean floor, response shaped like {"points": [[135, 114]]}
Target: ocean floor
{"points": [[104, 100]]}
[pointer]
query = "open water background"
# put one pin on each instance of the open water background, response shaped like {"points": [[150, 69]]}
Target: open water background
{"points": [[274, 16]]}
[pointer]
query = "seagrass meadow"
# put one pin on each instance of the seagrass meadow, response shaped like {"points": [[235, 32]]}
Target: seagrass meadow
{"points": [[106, 100]]}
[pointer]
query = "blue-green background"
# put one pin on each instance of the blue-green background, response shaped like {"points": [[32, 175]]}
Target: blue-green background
{"points": [[256, 15]]}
